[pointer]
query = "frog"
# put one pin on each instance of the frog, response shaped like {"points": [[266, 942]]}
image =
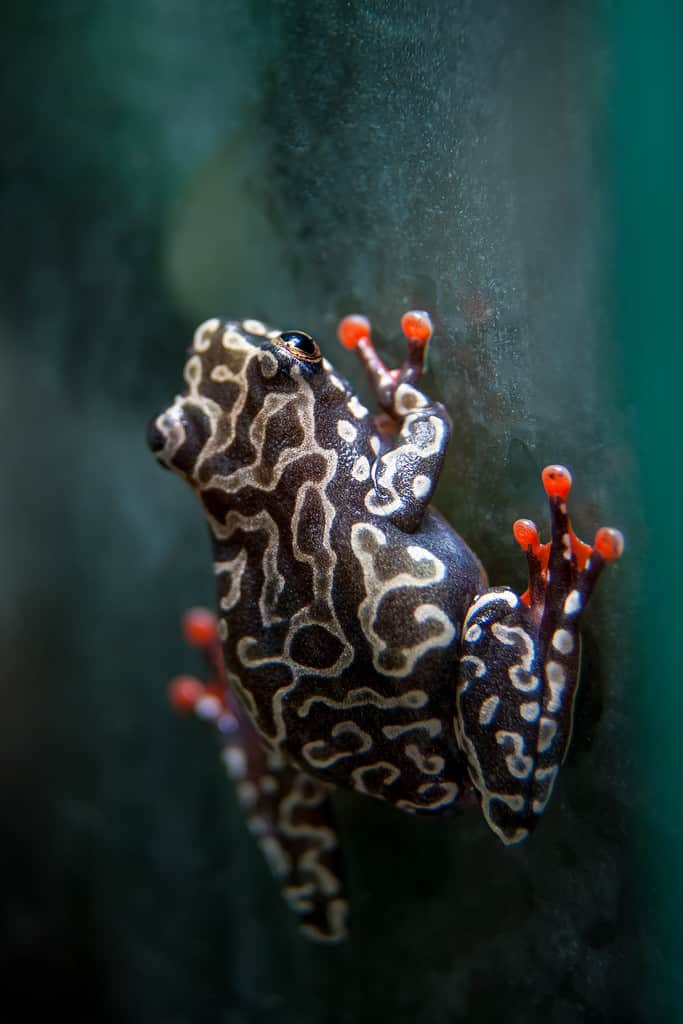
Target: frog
{"points": [[356, 642]]}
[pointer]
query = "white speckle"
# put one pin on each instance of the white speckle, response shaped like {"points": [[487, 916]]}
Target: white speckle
{"points": [[254, 327], [488, 709], [566, 545], [346, 431], [421, 485], [563, 641], [546, 734], [473, 633], [361, 468], [356, 408], [572, 603], [235, 762], [530, 710], [208, 708]]}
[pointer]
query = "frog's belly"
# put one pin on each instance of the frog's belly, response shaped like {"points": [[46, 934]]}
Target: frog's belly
{"points": [[356, 684]]}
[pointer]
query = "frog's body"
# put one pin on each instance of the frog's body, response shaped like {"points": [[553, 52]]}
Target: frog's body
{"points": [[343, 598]]}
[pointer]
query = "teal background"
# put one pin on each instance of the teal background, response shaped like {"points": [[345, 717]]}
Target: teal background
{"points": [[513, 167]]}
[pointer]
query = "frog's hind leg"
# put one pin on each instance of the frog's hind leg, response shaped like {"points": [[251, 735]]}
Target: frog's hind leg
{"points": [[519, 668], [289, 812]]}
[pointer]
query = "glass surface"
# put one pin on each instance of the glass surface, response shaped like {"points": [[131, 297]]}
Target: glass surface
{"points": [[166, 162]]}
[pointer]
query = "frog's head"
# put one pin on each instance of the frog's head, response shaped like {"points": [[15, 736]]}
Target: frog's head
{"points": [[252, 399]]}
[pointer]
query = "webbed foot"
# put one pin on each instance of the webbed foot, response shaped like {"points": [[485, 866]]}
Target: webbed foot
{"points": [[519, 668], [289, 812]]}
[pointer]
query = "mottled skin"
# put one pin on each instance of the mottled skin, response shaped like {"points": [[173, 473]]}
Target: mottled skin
{"points": [[351, 631]]}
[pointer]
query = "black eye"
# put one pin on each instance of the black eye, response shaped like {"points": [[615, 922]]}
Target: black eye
{"points": [[301, 345]]}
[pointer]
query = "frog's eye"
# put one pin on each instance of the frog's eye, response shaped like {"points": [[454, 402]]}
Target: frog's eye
{"points": [[301, 345]]}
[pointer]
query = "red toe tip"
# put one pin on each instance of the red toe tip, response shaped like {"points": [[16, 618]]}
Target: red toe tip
{"points": [[525, 533], [200, 627], [557, 481], [610, 543], [184, 693], [352, 328], [416, 324]]}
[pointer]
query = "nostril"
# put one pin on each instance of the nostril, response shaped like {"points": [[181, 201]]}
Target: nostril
{"points": [[155, 439]]}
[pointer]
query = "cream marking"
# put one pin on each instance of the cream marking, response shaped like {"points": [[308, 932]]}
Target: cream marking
{"points": [[375, 444], [557, 678], [273, 580], [530, 711], [510, 636], [336, 382], [429, 764], [566, 546], [488, 709], [337, 911], [234, 339], [222, 630], [390, 776], [220, 373], [413, 699], [522, 680], [478, 665], [446, 793], [235, 569], [277, 858], [254, 327], [421, 440], [268, 785], [268, 364], [563, 641], [490, 597], [407, 399], [473, 633], [201, 341], [367, 542], [347, 431], [356, 408], [235, 762], [432, 726], [512, 744], [572, 603], [247, 793], [421, 486], [546, 778], [361, 469], [546, 734], [322, 754]]}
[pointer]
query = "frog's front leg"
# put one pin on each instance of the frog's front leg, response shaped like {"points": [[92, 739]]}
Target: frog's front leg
{"points": [[289, 812], [406, 468], [519, 668]]}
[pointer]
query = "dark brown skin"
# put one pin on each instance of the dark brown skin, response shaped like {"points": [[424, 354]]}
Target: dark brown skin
{"points": [[352, 634]]}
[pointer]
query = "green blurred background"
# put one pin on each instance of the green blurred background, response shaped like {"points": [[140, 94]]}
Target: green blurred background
{"points": [[515, 167]]}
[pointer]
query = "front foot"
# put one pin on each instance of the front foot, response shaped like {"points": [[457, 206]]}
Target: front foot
{"points": [[519, 668]]}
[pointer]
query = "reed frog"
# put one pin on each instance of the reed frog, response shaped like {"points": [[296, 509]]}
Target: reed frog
{"points": [[357, 643]]}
